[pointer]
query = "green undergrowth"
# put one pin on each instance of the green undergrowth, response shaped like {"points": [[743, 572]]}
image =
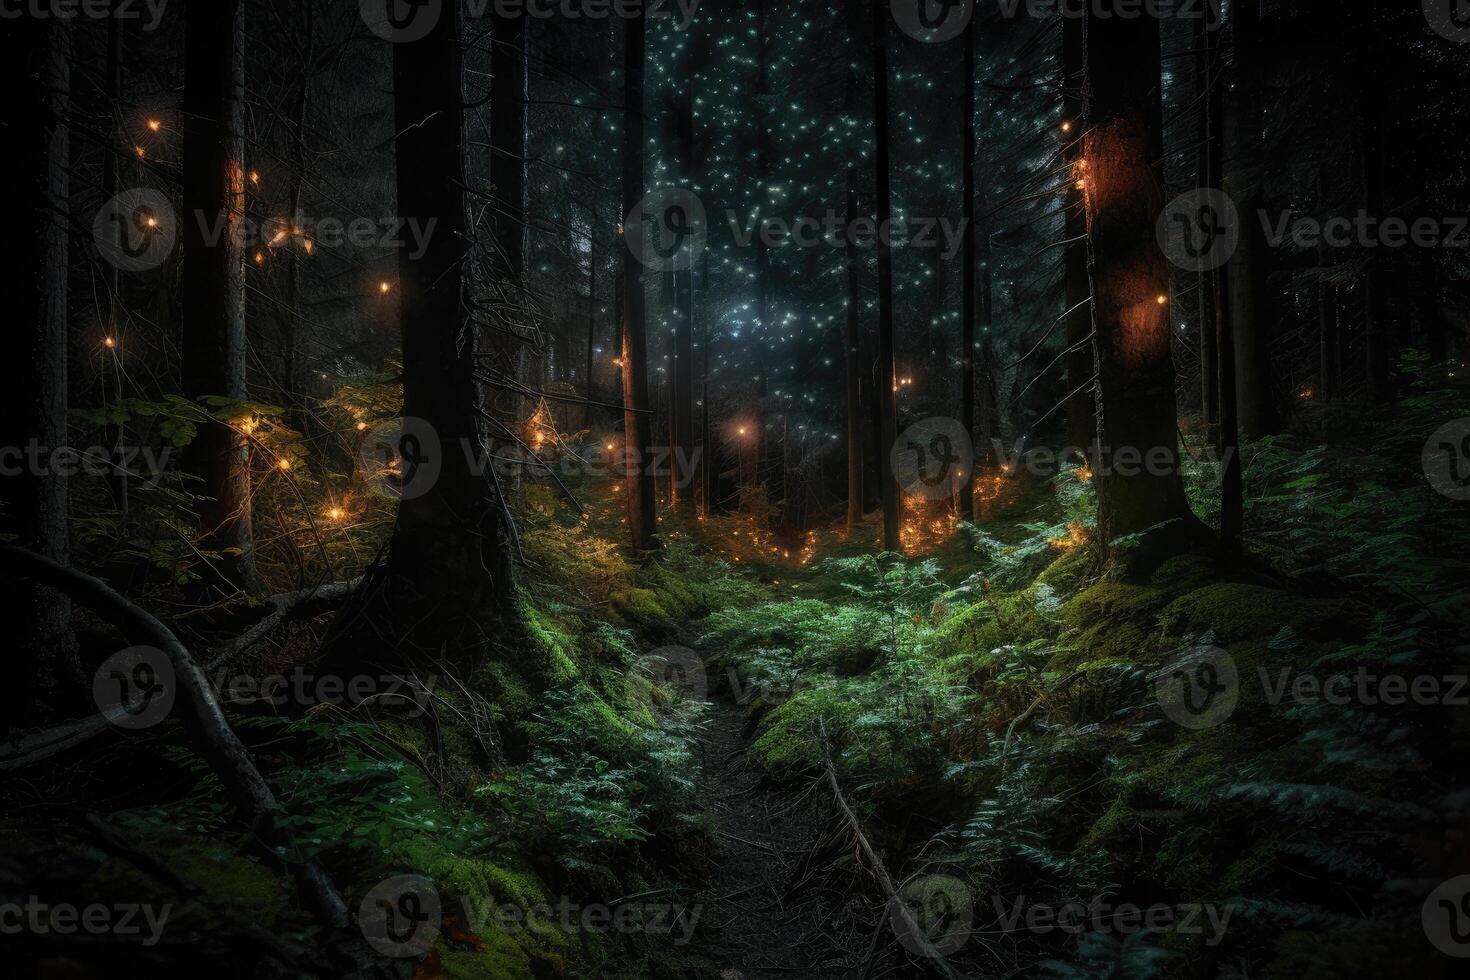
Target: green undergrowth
{"points": [[1002, 717], [541, 772]]}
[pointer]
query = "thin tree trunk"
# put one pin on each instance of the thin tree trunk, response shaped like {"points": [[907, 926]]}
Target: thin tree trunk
{"points": [[1250, 300], [591, 314], [637, 419], [710, 464], [1376, 345], [682, 410], [1130, 284], [214, 342], [968, 285], [292, 375], [887, 374], [117, 479], [1207, 92], [852, 368], [37, 64], [508, 137], [1081, 420]]}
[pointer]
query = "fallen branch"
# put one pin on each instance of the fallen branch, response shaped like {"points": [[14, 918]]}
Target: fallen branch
{"points": [[1024, 716], [282, 607], [217, 742], [933, 956], [40, 746]]}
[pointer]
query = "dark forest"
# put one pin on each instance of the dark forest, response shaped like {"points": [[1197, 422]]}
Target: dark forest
{"points": [[734, 489]]}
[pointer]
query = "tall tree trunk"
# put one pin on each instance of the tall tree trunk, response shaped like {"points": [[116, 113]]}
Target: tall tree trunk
{"points": [[852, 327], [710, 465], [1123, 144], [37, 65], [117, 479], [1208, 95], [637, 419], [968, 285], [591, 313], [508, 137], [1081, 419], [292, 375], [852, 368], [1232, 477], [214, 274], [887, 374], [447, 565], [1250, 298], [682, 411], [1377, 347]]}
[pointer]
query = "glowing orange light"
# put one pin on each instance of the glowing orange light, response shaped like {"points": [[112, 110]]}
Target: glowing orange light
{"points": [[362, 427], [152, 222], [1082, 185], [1161, 299], [283, 464], [259, 258], [1066, 127], [109, 342], [140, 152], [336, 513], [308, 246], [610, 447], [383, 287], [255, 177]]}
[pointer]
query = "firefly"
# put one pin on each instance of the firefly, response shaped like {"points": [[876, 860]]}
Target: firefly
{"points": [[1161, 299], [154, 125], [383, 287], [283, 464], [1066, 127], [109, 342]]}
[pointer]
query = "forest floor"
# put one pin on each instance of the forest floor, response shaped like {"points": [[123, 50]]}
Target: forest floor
{"points": [[758, 919], [989, 709]]}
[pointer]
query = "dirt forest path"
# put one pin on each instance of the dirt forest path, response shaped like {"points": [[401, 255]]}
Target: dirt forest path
{"points": [[765, 911]]}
